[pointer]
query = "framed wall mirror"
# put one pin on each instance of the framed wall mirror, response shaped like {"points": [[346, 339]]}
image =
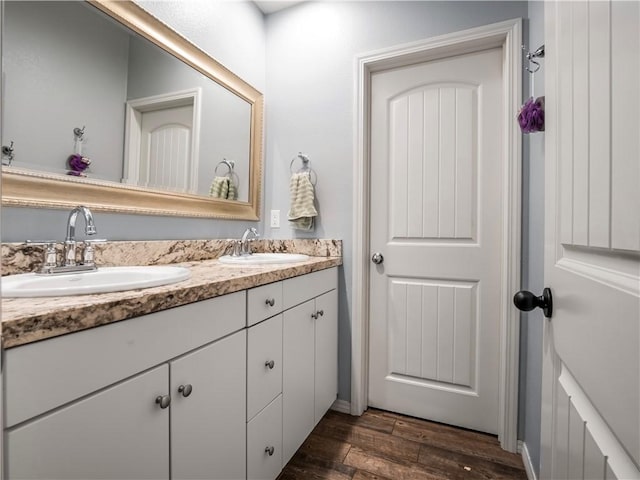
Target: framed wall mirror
{"points": [[105, 105]]}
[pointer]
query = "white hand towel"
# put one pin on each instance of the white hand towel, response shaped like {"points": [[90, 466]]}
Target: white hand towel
{"points": [[302, 212]]}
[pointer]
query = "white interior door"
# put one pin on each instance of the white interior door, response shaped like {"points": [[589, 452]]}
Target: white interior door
{"points": [[165, 149], [591, 375], [436, 203]]}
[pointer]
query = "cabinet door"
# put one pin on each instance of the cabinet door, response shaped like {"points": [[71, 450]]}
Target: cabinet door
{"points": [[298, 357], [208, 427], [326, 353], [119, 433]]}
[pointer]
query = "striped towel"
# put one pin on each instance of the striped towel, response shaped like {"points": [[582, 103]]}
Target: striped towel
{"points": [[233, 191], [302, 212], [219, 187]]}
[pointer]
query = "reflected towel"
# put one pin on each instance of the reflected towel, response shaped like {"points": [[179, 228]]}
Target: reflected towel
{"points": [[219, 187], [233, 191], [302, 212]]}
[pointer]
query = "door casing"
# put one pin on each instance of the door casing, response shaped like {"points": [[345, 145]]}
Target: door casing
{"points": [[508, 36]]}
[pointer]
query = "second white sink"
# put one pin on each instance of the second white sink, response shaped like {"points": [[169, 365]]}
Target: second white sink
{"points": [[103, 280], [263, 258]]}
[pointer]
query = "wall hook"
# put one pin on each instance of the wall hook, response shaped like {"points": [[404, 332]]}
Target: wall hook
{"points": [[7, 152], [531, 56], [79, 132]]}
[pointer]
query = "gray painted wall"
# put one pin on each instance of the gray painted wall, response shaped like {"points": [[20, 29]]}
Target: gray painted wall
{"points": [[310, 84], [64, 67], [234, 34], [532, 259]]}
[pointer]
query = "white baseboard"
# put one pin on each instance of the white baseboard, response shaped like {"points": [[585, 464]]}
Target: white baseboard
{"points": [[341, 406], [526, 459]]}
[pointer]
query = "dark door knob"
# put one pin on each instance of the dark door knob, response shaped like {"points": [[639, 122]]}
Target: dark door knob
{"points": [[377, 258], [527, 301]]}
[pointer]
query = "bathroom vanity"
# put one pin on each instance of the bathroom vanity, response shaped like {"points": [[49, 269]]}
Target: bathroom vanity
{"points": [[222, 387]]}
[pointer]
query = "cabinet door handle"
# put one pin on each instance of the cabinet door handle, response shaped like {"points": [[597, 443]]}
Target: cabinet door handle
{"points": [[185, 390], [269, 451], [270, 301], [314, 316], [163, 400], [320, 313], [270, 364]]}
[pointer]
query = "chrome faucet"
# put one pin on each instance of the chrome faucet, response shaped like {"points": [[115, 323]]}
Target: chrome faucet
{"points": [[245, 246], [70, 242]]}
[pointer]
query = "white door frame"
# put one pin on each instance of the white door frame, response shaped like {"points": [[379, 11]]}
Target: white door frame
{"points": [[133, 130], [508, 36]]}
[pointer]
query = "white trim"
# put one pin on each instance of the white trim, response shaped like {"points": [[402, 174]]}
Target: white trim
{"points": [[341, 406], [508, 36], [133, 129], [526, 460]]}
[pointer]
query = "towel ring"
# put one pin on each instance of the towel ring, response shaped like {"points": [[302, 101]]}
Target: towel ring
{"points": [[306, 167], [230, 164]]}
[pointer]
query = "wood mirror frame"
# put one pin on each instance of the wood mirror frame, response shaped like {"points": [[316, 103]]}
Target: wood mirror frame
{"points": [[26, 188]]}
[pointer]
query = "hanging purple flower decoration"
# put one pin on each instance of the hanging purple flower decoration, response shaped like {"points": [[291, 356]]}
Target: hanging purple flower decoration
{"points": [[77, 163], [531, 116]]}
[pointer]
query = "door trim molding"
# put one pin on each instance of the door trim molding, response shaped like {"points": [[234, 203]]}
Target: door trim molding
{"points": [[508, 36]]}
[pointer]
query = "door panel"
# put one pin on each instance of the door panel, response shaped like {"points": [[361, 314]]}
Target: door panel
{"points": [[432, 163], [436, 199], [591, 377], [165, 150]]}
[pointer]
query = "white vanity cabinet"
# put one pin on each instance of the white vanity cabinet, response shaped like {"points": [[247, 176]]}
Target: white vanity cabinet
{"points": [[225, 388], [105, 402], [310, 355]]}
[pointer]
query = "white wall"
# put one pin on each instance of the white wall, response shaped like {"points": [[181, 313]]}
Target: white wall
{"points": [[64, 68], [310, 103]]}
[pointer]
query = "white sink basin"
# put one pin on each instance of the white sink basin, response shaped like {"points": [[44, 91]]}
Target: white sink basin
{"points": [[263, 258], [103, 280]]}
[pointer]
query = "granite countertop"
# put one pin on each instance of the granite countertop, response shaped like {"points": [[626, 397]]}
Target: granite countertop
{"points": [[27, 320]]}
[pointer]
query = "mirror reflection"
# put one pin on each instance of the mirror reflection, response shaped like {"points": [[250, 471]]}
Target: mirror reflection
{"points": [[85, 97]]}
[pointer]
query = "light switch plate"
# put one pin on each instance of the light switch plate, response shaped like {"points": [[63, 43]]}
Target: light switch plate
{"points": [[275, 218]]}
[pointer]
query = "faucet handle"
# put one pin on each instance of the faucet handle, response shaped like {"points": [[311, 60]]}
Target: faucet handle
{"points": [[88, 253], [235, 248], [50, 257]]}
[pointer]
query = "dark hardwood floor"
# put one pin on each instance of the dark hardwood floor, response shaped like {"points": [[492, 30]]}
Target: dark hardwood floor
{"points": [[385, 446]]}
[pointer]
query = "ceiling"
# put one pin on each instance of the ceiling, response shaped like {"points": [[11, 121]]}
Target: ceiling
{"points": [[271, 6]]}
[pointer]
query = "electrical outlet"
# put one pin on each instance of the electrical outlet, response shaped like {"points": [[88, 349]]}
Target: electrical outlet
{"points": [[275, 218]]}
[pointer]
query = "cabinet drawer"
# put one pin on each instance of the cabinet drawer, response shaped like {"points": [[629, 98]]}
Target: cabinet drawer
{"points": [[263, 302], [264, 443], [264, 346], [300, 289], [44, 375]]}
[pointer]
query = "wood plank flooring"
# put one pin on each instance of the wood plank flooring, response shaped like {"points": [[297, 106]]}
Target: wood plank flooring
{"points": [[381, 445]]}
